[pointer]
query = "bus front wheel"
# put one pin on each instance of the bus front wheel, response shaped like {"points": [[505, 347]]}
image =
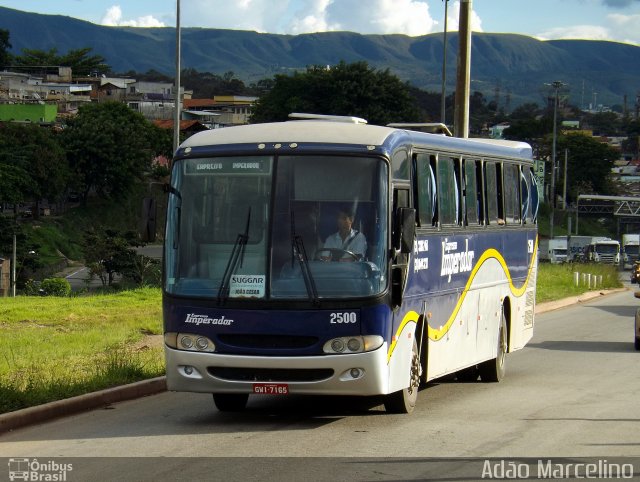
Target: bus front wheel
{"points": [[493, 370], [230, 402], [404, 401]]}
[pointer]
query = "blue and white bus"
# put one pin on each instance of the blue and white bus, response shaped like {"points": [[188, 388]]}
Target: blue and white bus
{"points": [[257, 301]]}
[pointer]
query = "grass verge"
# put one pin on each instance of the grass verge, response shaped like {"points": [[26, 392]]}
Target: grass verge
{"points": [[557, 281], [54, 348]]}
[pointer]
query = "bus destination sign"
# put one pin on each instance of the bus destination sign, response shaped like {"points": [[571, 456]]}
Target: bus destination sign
{"points": [[236, 165]]}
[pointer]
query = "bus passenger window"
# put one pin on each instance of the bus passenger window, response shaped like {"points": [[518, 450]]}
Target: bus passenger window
{"points": [[511, 194], [426, 191], [448, 192], [524, 194], [533, 198], [491, 194], [400, 165], [471, 202]]}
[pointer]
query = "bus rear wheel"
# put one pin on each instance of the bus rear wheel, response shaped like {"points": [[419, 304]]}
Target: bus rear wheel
{"points": [[230, 402], [493, 370], [404, 401]]}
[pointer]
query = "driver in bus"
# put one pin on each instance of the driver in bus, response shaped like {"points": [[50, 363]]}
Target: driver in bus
{"points": [[346, 238]]}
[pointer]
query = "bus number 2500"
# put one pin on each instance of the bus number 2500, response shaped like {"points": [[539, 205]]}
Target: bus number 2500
{"points": [[347, 317]]}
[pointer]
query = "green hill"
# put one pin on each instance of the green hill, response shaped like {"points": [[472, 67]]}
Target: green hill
{"points": [[516, 66]]}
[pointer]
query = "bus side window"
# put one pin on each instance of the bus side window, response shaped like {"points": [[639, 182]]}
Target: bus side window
{"points": [[533, 197], [491, 193], [500, 185], [524, 196], [426, 191], [511, 193], [448, 192], [472, 202], [401, 165]]}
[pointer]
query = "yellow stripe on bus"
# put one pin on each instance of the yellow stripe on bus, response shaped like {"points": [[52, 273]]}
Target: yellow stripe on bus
{"points": [[436, 334]]}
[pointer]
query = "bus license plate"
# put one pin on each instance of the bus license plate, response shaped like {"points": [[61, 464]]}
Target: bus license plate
{"points": [[271, 388]]}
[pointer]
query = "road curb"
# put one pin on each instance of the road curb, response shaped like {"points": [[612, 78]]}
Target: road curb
{"points": [[572, 300], [60, 408]]}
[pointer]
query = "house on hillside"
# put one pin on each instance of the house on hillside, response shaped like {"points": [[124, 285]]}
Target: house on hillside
{"points": [[221, 111], [187, 127], [154, 100]]}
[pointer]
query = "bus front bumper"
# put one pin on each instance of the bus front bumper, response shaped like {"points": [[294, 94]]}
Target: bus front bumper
{"points": [[189, 371]]}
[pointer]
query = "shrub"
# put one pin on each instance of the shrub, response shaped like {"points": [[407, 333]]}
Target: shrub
{"points": [[56, 287], [31, 288]]}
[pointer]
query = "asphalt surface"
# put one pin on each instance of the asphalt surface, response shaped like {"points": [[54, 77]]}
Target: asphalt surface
{"points": [[40, 413]]}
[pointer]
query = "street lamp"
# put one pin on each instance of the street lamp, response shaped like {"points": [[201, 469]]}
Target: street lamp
{"points": [[556, 85]]}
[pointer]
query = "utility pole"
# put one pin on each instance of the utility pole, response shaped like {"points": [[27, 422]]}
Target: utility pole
{"points": [[564, 188], [443, 104], [14, 260], [463, 80], [557, 85], [176, 114]]}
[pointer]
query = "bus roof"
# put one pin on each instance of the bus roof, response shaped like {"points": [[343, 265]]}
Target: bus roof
{"points": [[322, 131]]}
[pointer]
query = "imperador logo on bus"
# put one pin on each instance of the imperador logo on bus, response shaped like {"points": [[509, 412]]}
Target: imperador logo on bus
{"points": [[206, 320], [458, 261]]}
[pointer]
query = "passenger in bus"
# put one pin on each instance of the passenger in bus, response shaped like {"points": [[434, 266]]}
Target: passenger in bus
{"points": [[346, 238]]}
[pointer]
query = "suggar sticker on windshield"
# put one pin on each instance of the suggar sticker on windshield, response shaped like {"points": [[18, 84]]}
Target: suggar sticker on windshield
{"points": [[247, 286]]}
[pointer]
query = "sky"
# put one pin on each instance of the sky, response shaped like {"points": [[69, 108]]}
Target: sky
{"points": [[612, 20]]}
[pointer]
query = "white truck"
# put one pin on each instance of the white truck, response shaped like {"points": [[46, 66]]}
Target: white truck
{"points": [[604, 250], [577, 247], [553, 250], [630, 249]]}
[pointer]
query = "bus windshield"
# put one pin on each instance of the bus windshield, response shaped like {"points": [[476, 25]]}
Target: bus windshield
{"points": [[288, 227]]}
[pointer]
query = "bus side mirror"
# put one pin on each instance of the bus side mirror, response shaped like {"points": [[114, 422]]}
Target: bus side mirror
{"points": [[405, 229]]}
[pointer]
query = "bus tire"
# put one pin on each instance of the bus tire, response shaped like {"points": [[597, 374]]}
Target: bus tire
{"points": [[404, 401], [230, 402], [493, 370]]}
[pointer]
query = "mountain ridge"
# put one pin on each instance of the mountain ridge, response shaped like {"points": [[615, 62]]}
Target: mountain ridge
{"points": [[509, 68]]}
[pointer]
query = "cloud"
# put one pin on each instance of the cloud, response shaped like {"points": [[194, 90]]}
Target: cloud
{"points": [[625, 27], [453, 19], [591, 32], [258, 15], [619, 28], [113, 18], [311, 16], [409, 17]]}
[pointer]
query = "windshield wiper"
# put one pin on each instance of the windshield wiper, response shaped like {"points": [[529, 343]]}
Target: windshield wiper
{"points": [[237, 254], [298, 251]]}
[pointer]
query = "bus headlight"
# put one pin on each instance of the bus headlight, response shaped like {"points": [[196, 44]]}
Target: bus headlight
{"points": [[189, 342], [353, 344]]}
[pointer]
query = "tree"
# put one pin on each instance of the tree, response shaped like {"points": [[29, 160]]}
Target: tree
{"points": [[79, 60], [109, 147], [589, 163], [345, 89], [5, 56], [35, 163], [108, 252], [15, 184]]}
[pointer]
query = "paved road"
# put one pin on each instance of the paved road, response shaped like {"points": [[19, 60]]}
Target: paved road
{"points": [[79, 277], [572, 392]]}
